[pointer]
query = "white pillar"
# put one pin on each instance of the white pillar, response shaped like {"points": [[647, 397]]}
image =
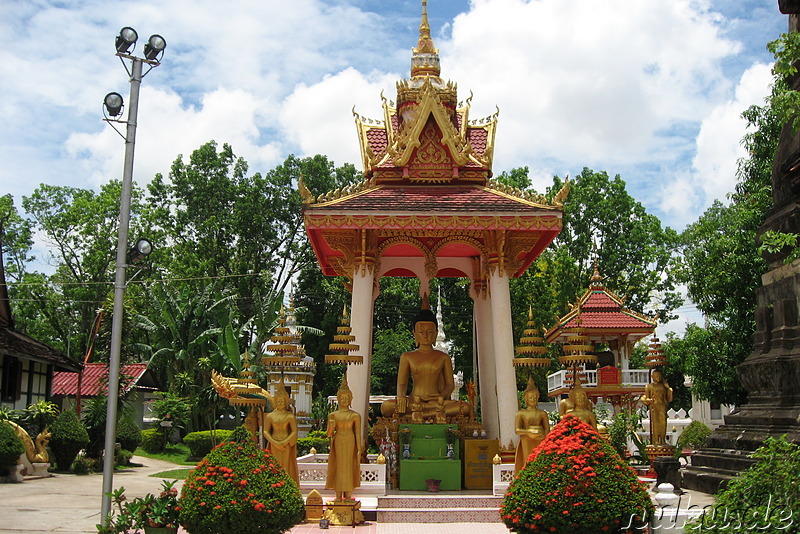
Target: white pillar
{"points": [[507, 404], [486, 367], [361, 312]]}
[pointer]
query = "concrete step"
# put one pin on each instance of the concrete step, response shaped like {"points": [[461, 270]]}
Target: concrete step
{"points": [[439, 509]]}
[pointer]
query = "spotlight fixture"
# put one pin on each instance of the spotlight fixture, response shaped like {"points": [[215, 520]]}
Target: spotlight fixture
{"points": [[113, 103], [155, 46], [126, 40], [140, 250]]}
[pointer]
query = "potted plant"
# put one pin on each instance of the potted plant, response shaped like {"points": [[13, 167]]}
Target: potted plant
{"points": [[154, 514]]}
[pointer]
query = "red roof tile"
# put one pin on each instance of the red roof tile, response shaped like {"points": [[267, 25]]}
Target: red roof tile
{"points": [[433, 198], [600, 300], [607, 320], [477, 138], [65, 383]]}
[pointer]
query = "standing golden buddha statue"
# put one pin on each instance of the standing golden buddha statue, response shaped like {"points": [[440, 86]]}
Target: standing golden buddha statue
{"points": [[280, 431], [531, 425], [657, 396], [344, 428]]}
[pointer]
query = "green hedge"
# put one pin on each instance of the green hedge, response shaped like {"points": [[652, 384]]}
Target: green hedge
{"points": [[11, 447], [693, 436], [152, 440], [68, 437], [304, 445], [129, 435], [201, 443]]}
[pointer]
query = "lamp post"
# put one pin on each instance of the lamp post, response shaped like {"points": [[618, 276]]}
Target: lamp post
{"points": [[113, 104]]}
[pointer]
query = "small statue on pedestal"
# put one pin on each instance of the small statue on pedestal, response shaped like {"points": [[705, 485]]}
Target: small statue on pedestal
{"points": [[657, 396], [531, 425], [280, 430]]}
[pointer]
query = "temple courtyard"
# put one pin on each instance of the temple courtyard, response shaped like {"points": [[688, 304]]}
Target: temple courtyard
{"points": [[69, 503]]}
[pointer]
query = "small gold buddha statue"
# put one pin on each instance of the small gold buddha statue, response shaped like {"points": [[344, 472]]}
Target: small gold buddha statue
{"points": [[579, 405], [657, 396], [280, 431], [531, 425], [344, 427]]}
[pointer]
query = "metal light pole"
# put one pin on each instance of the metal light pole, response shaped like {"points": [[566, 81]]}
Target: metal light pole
{"points": [[155, 46]]}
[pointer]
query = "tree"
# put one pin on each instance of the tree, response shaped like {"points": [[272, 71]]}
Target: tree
{"points": [[80, 225], [722, 268]]}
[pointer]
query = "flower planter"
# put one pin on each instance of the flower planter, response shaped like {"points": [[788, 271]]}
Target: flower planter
{"points": [[433, 484]]}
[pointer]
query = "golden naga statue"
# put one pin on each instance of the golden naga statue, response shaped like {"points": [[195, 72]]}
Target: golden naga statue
{"points": [[432, 373], [34, 452], [657, 395], [531, 425], [344, 459], [280, 430], [579, 405]]}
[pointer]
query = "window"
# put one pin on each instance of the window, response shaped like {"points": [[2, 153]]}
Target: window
{"points": [[11, 381]]}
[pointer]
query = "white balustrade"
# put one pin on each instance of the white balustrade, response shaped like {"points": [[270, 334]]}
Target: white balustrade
{"points": [[313, 471], [502, 475]]}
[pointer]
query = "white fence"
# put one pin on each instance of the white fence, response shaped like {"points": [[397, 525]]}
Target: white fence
{"points": [[629, 377], [313, 471]]}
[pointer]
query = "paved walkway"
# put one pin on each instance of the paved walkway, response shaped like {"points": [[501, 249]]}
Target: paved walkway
{"points": [[70, 504]]}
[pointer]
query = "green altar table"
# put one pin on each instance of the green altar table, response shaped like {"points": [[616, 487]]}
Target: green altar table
{"points": [[428, 459]]}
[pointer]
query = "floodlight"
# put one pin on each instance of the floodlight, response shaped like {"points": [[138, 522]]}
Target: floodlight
{"points": [[126, 40], [155, 46], [113, 103]]}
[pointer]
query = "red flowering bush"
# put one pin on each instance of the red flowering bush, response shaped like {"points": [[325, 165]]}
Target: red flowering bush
{"points": [[239, 488], [575, 483]]}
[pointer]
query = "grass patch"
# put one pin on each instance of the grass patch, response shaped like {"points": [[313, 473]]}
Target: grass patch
{"points": [[177, 454], [173, 474]]}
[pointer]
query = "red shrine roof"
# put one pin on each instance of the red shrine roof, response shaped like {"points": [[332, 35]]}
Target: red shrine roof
{"points": [[428, 191], [434, 198], [600, 312], [95, 378]]}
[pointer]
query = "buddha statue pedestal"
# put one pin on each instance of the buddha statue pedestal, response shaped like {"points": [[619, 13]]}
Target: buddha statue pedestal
{"points": [[433, 453], [344, 512]]}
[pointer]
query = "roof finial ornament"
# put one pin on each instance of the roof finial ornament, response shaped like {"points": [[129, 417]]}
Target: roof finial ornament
{"points": [[425, 56], [597, 278]]}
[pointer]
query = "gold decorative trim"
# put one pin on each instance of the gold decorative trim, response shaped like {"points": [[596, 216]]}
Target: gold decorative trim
{"points": [[452, 222]]}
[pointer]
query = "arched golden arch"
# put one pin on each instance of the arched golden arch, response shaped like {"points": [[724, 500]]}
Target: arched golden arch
{"points": [[477, 244]]}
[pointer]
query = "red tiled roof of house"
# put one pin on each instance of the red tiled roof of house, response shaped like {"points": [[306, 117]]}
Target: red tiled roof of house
{"points": [[599, 300], [433, 198], [609, 320], [94, 377]]}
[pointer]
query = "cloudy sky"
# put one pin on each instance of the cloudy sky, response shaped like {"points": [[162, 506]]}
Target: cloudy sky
{"points": [[650, 90]]}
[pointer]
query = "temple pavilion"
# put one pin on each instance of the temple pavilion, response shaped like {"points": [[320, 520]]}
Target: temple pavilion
{"points": [[600, 316], [428, 208]]}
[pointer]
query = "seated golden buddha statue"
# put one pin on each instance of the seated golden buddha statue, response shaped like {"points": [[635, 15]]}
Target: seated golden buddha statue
{"points": [[432, 374], [579, 405]]}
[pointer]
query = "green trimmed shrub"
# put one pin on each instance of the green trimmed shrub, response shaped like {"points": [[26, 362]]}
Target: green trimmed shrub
{"points": [[304, 445], [152, 440], [239, 488], [764, 498], [11, 448], [129, 435], [201, 443], [693, 436], [123, 458], [82, 465], [68, 437], [576, 483]]}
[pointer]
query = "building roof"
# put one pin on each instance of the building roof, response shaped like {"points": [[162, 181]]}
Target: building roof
{"points": [[19, 345], [134, 375], [600, 313], [13, 343]]}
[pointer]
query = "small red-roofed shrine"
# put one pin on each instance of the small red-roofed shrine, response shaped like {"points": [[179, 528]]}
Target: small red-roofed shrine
{"points": [[428, 208], [600, 315]]}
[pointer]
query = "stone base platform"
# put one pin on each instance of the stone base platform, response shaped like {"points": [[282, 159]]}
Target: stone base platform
{"points": [[712, 469], [444, 507]]}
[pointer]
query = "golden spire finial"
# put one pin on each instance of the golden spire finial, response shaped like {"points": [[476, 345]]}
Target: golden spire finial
{"points": [[425, 57]]}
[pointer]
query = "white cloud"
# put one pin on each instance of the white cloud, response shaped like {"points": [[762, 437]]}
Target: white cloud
{"points": [[718, 148]]}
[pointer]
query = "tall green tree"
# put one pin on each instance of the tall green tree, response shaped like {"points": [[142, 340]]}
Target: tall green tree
{"points": [[722, 268]]}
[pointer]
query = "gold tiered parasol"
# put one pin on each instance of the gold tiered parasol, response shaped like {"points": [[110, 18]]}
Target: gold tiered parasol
{"points": [[283, 344], [655, 356], [342, 344], [575, 355], [531, 347]]}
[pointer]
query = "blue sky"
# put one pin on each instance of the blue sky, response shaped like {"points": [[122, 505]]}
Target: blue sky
{"points": [[648, 90]]}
